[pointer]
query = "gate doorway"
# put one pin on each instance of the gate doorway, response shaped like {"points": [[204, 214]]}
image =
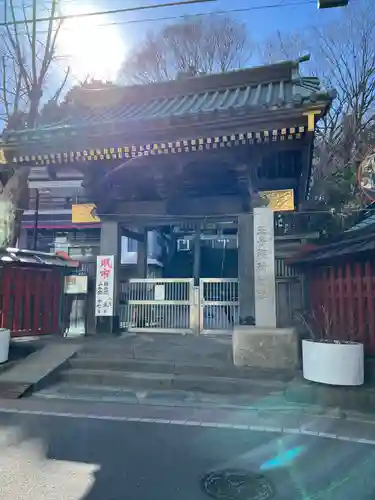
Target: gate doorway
{"points": [[219, 306], [175, 305]]}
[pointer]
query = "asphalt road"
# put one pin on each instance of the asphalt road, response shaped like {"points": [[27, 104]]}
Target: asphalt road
{"points": [[53, 457]]}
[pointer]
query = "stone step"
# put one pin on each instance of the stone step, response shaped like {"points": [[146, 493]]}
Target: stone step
{"points": [[163, 347], [150, 381], [173, 397], [169, 367]]}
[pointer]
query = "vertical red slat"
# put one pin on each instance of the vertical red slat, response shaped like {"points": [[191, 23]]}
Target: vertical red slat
{"points": [[359, 316], [315, 277], [15, 293], [49, 300], [7, 278], [369, 313], [52, 292], [332, 310], [56, 291], [37, 296], [340, 328], [44, 301], [350, 300], [370, 327], [29, 287], [19, 290], [319, 276]]}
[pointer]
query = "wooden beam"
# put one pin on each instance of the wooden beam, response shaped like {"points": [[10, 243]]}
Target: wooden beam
{"points": [[143, 213], [276, 184], [134, 235], [304, 182]]}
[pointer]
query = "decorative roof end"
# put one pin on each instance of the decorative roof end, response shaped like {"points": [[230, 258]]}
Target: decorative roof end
{"points": [[303, 59]]}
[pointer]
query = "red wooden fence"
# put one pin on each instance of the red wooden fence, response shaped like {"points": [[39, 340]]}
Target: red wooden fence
{"points": [[343, 297], [30, 300]]}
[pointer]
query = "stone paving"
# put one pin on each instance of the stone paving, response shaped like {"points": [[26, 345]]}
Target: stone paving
{"points": [[327, 424]]}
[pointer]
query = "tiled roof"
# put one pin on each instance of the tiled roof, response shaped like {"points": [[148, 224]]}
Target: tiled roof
{"points": [[243, 94], [19, 256], [271, 95]]}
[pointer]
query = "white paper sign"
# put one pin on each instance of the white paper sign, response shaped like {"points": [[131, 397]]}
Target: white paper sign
{"points": [[159, 292], [104, 292], [264, 268], [75, 285]]}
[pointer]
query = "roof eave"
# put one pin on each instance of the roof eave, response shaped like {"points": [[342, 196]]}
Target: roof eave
{"points": [[247, 118]]}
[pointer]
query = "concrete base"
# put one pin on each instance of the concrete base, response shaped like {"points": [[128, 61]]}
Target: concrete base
{"points": [[273, 348]]}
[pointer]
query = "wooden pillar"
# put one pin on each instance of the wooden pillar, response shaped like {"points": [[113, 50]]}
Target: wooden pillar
{"points": [[246, 266], [142, 252], [197, 255]]}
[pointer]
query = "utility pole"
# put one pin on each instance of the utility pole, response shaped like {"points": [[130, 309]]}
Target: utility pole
{"points": [[331, 4]]}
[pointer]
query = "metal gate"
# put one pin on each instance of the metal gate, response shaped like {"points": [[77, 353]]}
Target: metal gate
{"points": [[176, 305], [219, 306], [158, 305]]}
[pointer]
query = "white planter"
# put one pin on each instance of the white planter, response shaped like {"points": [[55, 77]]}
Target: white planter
{"points": [[333, 364], [4, 344]]}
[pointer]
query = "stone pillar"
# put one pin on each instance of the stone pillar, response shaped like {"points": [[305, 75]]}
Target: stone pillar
{"points": [[246, 266], [110, 244], [142, 254], [264, 345], [264, 268], [197, 255]]}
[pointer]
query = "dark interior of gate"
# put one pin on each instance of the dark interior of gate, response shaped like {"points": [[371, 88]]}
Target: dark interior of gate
{"points": [[189, 158]]}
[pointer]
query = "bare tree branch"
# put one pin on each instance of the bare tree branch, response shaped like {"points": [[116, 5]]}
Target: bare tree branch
{"points": [[343, 57], [189, 47], [26, 61]]}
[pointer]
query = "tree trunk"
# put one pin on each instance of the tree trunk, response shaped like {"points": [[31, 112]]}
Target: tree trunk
{"points": [[7, 220], [13, 201]]}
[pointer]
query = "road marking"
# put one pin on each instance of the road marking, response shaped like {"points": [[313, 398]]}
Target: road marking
{"points": [[192, 423]]}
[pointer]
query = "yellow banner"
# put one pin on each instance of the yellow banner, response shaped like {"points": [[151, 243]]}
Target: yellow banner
{"points": [[84, 213], [281, 200]]}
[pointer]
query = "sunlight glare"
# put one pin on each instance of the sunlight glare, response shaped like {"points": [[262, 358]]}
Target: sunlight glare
{"points": [[91, 50]]}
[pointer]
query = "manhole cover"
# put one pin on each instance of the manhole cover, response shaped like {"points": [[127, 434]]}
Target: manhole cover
{"points": [[234, 484]]}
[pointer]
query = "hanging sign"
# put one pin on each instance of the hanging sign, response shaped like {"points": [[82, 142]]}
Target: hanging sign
{"points": [[104, 292]]}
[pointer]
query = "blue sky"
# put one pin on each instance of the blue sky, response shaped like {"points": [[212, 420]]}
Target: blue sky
{"points": [[260, 23], [105, 40]]}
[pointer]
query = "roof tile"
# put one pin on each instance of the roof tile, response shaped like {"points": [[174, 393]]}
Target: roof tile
{"points": [[287, 93]]}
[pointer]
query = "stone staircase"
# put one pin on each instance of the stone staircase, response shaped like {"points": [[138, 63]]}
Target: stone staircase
{"points": [[165, 372]]}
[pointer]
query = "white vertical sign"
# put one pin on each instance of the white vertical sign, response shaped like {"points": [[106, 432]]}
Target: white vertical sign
{"points": [[104, 292], [264, 268]]}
